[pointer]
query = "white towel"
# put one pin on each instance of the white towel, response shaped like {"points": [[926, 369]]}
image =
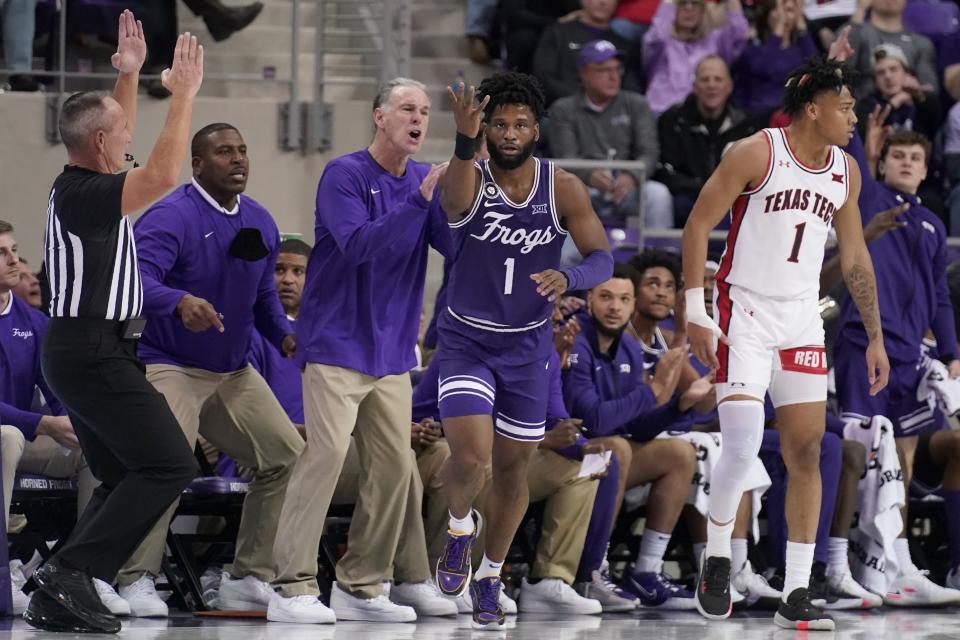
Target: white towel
{"points": [[937, 388], [873, 559]]}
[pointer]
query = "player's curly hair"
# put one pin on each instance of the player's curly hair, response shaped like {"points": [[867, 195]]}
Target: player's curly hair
{"points": [[512, 87], [816, 75], [657, 258]]}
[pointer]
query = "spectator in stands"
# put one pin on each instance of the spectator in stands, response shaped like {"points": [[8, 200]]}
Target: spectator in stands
{"points": [[525, 20], [950, 63], [30, 442], [603, 122], [951, 150], [910, 263], [28, 289], [18, 19], [780, 45], [694, 135], [606, 387], [885, 26], [556, 62], [206, 255], [825, 17], [912, 108], [679, 38], [481, 16], [553, 477], [633, 18], [376, 215]]}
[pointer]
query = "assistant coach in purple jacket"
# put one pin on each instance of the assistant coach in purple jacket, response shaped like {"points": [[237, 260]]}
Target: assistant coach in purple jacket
{"points": [[207, 253], [377, 212]]}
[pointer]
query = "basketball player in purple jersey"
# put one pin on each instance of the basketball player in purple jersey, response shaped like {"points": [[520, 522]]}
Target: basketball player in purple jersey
{"points": [[783, 189], [509, 216]]}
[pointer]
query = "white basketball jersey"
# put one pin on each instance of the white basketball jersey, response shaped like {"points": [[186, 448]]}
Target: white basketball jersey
{"points": [[778, 230]]}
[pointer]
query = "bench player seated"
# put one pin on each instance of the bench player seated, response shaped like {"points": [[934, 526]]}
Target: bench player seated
{"points": [[606, 386]]}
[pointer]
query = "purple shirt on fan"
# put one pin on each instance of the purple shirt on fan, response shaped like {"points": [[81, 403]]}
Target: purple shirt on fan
{"points": [[183, 243], [282, 374], [910, 263], [762, 69], [364, 289], [21, 334]]}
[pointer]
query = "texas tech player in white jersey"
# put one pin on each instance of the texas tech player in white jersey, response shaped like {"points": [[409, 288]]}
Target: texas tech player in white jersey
{"points": [[778, 230]]}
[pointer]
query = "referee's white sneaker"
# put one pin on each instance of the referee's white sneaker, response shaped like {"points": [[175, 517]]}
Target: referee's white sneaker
{"points": [[143, 599], [553, 595], [917, 590], [305, 609], [379, 609], [424, 597]]}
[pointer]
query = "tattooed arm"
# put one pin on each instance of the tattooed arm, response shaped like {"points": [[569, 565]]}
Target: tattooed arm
{"points": [[860, 279]]}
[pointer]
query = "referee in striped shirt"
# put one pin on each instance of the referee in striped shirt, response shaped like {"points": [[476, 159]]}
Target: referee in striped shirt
{"points": [[130, 438]]}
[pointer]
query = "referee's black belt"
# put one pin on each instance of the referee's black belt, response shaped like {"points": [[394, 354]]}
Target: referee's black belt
{"points": [[130, 329]]}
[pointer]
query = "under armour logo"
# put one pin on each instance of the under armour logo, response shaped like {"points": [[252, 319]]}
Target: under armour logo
{"points": [[837, 177], [784, 163]]}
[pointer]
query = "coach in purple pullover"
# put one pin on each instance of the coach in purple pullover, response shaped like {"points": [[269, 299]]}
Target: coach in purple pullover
{"points": [[207, 255], [376, 215]]}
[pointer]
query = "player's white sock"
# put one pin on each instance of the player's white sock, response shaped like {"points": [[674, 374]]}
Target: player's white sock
{"points": [[799, 562], [718, 538], [488, 568], [738, 554], [462, 526], [837, 561], [653, 546], [902, 548]]}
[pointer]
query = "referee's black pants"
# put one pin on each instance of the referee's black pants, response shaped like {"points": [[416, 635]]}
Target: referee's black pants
{"points": [[129, 437]]}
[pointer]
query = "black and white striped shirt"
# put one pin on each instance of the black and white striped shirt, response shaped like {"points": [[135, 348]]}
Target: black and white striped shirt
{"points": [[91, 258]]}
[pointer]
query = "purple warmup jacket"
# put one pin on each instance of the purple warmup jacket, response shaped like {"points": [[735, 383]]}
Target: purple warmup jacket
{"points": [[364, 289], [21, 334], [183, 243], [910, 263]]}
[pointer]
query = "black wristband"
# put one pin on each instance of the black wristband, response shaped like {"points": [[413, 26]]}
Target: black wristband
{"points": [[464, 147]]}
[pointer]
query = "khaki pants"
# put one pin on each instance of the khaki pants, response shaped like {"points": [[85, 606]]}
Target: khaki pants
{"points": [[238, 413], [550, 477], [336, 402], [410, 563], [42, 456]]}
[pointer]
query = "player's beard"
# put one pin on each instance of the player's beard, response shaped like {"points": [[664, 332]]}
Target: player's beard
{"points": [[602, 329], [510, 164]]}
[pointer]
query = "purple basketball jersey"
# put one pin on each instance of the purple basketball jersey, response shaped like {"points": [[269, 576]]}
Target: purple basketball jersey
{"points": [[499, 244]]}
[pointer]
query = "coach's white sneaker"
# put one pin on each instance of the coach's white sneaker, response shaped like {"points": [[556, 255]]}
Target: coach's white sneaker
{"points": [[845, 587], [243, 594], [753, 587], [379, 609], [917, 590], [110, 598], [508, 604], [424, 597], [305, 609], [553, 595], [143, 599]]}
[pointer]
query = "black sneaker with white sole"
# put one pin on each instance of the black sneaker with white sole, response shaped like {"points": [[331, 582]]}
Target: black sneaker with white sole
{"points": [[713, 588], [799, 613]]}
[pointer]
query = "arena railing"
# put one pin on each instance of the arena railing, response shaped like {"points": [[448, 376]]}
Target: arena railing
{"points": [[357, 44]]}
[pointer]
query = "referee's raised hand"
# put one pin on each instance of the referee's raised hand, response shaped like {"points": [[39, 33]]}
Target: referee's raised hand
{"points": [[185, 75]]}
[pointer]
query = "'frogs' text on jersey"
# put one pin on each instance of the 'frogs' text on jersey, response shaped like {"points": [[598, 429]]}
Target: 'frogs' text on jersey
{"points": [[499, 245], [778, 230]]}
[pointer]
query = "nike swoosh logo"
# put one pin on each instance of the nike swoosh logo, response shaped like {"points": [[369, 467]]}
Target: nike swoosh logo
{"points": [[490, 203], [374, 191], [207, 235], [597, 368], [646, 594], [649, 365]]}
